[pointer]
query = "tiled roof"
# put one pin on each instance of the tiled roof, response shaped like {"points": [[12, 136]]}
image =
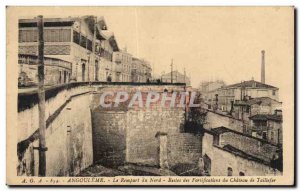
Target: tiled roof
{"points": [[243, 154], [217, 112], [264, 100], [220, 130], [265, 117], [258, 100], [34, 20], [250, 84]]}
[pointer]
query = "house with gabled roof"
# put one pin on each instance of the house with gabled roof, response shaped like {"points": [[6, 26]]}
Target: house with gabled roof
{"points": [[227, 152], [228, 95]]}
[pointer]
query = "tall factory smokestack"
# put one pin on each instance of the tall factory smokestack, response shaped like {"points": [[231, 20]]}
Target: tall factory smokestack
{"points": [[263, 78]]}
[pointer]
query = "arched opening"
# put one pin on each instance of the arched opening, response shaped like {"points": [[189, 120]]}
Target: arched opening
{"points": [[229, 171], [207, 165], [109, 78]]}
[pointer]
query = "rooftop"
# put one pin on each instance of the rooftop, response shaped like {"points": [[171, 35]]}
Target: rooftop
{"points": [[250, 84], [242, 154], [222, 129], [69, 21], [218, 112], [258, 100], [266, 117], [32, 22]]}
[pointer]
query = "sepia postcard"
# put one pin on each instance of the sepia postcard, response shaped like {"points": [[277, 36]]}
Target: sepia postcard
{"points": [[191, 96]]}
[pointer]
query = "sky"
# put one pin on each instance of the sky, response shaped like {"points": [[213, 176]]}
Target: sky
{"points": [[211, 43]]}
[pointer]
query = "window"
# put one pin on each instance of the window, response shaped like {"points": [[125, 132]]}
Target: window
{"points": [[229, 171], [57, 35], [241, 174], [83, 41], [274, 92], [264, 134], [247, 109], [76, 37], [28, 35], [272, 136], [89, 45], [216, 140]]}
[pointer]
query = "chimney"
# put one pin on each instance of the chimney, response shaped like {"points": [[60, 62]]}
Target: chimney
{"points": [[163, 150], [263, 66]]}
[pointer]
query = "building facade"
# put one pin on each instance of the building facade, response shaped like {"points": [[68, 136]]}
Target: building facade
{"points": [[209, 90], [251, 89], [78, 40], [253, 106], [57, 71], [123, 64], [175, 77], [146, 71], [230, 153], [107, 47], [141, 70], [267, 127]]}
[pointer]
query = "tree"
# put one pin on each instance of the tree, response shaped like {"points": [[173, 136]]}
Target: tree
{"points": [[196, 117]]}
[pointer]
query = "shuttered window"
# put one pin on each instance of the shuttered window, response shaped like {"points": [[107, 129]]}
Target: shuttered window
{"points": [[89, 45], [50, 35], [57, 35], [28, 35], [83, 42]]}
